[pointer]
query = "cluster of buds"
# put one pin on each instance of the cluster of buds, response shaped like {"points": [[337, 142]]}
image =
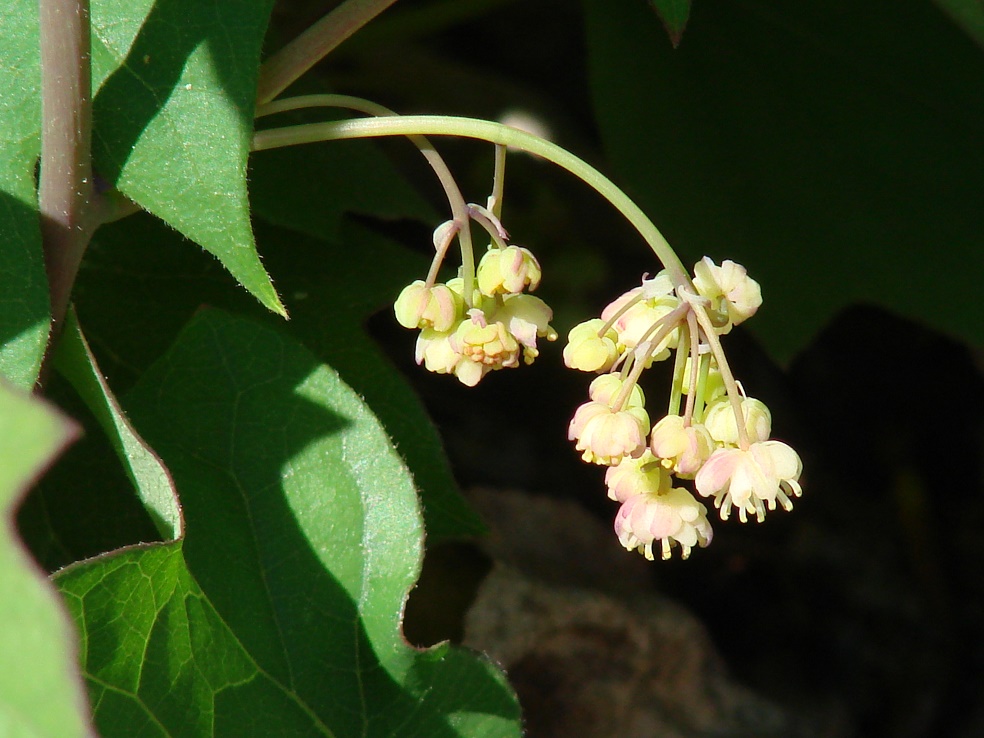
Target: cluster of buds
{"points": [[489, 323], [718, 445]]}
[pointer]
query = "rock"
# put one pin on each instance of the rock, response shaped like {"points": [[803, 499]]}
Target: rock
{"points": [[607, 656]]}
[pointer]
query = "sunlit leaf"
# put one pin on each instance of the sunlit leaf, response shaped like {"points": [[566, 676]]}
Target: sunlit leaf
{"points": [[24, 307], [41, 694], [176, 83], [279, 613]]}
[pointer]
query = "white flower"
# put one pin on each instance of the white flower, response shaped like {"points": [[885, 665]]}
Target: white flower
{"points": [[605, 436], [733, 294], [672, 517], [767, 473]]}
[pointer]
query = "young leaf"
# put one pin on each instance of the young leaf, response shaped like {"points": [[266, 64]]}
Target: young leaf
{"points": [[279, 613], [40, 690], [173, 118], [24, 307], [831, 149]]}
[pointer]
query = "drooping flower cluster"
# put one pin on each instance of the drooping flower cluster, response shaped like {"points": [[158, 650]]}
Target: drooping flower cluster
{"points": [[718, 443], [471, 329]]}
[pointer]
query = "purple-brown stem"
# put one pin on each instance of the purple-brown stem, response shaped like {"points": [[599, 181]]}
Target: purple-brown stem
{"points": [[65, 191]]}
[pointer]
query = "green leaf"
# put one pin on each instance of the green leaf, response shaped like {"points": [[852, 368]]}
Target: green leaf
{"points": [[674, 14], [173, 118], [279, 613], [24, 306], [833, 149], [137, 266], [968, 14], [40, 690], [150, 478]]}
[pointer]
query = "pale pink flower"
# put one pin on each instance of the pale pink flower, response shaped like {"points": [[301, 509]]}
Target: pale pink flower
{"points": [[767, 473], [733, 294], [683, 448], [605, 436], [672, 517]]}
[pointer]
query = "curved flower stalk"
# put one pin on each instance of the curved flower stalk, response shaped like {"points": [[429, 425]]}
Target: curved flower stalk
{"points": [[711, 437]]}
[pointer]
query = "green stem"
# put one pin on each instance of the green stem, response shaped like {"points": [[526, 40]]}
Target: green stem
{"points": [[679, 367], [694, 335], [498, 181], [287, 65], [496, 133], [65, 191], [456, 201], [734, 395]]}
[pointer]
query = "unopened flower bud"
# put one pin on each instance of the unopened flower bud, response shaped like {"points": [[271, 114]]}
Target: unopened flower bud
{"points": [[436, 307], [606, 436], [720, 421], [508, 270], [682, 448], [608, 386], [644, 475], [589, 352]]}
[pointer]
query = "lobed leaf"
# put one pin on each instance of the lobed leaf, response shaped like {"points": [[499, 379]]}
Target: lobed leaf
{"points": [[173, 118], [40, 690], [279, 613]]}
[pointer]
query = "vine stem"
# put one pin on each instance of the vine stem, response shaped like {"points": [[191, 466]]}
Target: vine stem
{"points": [[283, 68], [459, 207], [496, 133], [65, 191]]}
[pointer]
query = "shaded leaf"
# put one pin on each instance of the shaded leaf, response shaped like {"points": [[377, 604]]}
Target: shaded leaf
{"points": [[280, 611], [150, 478], [40, 690], [173, 118], [24, 306], [674, 14], [138, 267], [311, 188], [834, 150], [968, 14]]}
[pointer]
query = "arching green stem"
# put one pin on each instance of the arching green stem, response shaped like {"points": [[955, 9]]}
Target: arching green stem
{"points": [[437, 125], [459, 207]]}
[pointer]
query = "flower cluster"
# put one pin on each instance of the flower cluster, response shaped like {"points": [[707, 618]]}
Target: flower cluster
{"points": [[474, 324], [719, 443]]}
